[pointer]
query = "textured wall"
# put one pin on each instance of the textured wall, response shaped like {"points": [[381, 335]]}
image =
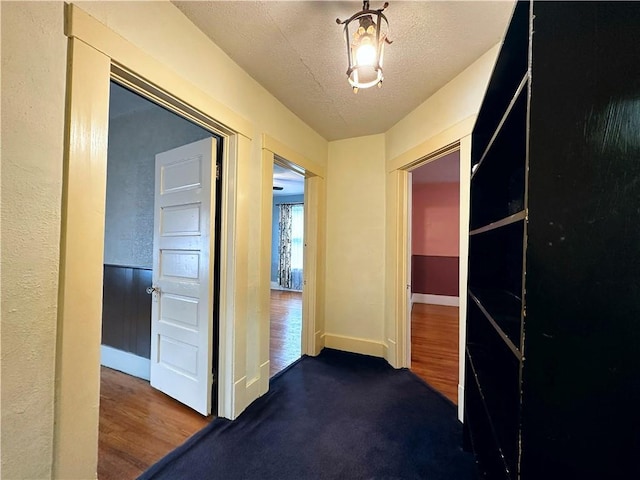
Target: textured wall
{"points": [[134, 140], [453, 103], [33, 93], [355, 238]]}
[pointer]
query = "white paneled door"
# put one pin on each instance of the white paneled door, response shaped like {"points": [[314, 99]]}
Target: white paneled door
{"points": [[182, 312]]}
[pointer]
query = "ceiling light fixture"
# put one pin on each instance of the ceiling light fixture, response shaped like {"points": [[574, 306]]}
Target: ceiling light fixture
{"points": [[365, 49]]}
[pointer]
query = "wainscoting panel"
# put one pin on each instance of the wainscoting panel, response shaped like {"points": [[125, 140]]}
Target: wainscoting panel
{"points": [[126, 309], [435, 275]]}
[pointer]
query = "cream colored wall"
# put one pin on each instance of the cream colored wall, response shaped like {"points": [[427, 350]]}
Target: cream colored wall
{"points": [[185, 49], [454, 103], [355, 245], [33, 96], [444, 119], [33, 86]]}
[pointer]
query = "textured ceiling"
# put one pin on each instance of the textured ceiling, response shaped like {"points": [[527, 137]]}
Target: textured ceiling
{"points": [[296, 51]]}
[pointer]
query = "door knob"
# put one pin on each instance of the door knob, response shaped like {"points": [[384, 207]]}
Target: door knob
{"points": [[153, 289]]}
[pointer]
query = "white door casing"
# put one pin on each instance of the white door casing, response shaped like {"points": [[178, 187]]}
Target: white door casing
{"points": [[182, 306], [409, 248]]}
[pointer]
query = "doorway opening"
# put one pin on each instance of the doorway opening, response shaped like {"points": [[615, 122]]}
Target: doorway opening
{"points": [[139, 130], [434, 265], [287, 266]]}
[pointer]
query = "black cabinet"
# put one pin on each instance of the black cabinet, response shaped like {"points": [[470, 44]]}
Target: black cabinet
{"points": [[552, 387]]}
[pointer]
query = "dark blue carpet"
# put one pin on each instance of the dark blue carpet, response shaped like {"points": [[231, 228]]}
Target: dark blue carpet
{"points": [[335, 416]]}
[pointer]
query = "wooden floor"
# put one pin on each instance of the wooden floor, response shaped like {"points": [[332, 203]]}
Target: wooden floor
{"points": [[434, 347], [139, 425], [286, 329]]}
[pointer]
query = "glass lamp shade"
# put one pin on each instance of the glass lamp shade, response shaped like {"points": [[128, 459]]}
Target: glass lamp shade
{"points": [[365, 48], [367, 63]]}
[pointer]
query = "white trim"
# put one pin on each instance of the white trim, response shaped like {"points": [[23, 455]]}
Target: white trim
{"points": [[125, 362], [355, 345], [319, 341], [461, 403], [435, 299], [265, 369], [239, 393], [83, 26], [398, 319], [465, 189], [253, 387], [276, 286], [96, 49]]}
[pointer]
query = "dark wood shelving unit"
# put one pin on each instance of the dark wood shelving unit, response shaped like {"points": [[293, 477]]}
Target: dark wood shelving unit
{"points": [[553, 319], [502, 319], [521, 215]]}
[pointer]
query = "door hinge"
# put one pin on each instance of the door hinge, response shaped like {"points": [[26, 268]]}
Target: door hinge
{"points": [[214, 377], [217, 171]]}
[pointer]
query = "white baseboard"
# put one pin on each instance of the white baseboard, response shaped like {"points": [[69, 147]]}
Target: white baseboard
{"points": [[390, 349], [276, 286], [264, 377], [320, 342], [239, 395], [435, 299], [125, 362], [461, 403], [354, 345]]}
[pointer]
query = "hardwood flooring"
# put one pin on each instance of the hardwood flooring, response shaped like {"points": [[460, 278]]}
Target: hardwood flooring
{"points": [[434, 347], [286, 329], [138, 425]]}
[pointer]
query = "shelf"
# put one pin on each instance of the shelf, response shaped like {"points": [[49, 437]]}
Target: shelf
{"points": [[497, 372], [496, 276], [480, 431], [497, 185], [505, 117], [501, 421], [511, 65], [521, 215], [503, 318]]}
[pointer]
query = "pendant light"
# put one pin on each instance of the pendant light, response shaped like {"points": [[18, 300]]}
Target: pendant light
{"points": [[365, 46]]}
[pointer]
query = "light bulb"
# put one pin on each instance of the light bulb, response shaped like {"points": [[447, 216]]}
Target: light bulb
{"points": [[366, 54]]}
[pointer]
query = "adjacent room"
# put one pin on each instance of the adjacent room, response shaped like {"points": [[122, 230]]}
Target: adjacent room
{"points": [[134, 411], [287, 267], [435, 268]]}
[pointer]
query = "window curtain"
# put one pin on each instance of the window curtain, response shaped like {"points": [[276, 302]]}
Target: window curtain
{"points": [[291, 246]]}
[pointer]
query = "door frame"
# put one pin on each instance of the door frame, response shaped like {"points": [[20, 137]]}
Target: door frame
{"points": [[273, 151], [397, 317], [455, 147], [97, 55]]}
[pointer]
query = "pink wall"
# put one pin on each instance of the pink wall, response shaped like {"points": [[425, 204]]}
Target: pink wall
{"points": [[436, 219]]}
